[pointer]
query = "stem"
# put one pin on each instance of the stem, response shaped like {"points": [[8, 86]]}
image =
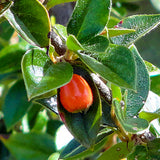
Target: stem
{"points": [[102, 87], [122, 134], [58, 44]]}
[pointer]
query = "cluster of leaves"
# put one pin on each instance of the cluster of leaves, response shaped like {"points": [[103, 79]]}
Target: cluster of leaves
{"points": [[101, 44]]}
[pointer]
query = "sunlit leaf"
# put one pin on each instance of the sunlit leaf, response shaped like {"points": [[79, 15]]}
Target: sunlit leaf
{"points": [[30, 19], [116, 92], [119, 31], [95, 44], [89, 18], [41, 75], [142, 24], [116, 65], [52, 3], [40, 122], [155, 84], [131, 125], [54, 156], [73, 44], [61, 31], [112, 22], [117, 152]]}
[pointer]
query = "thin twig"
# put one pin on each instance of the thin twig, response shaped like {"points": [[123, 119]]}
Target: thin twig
{"points": [[105, 92]]}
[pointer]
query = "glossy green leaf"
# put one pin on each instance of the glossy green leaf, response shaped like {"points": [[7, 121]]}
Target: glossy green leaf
{"points": [[155, 84], [47, 95], [40, 122], [116, 92], [10, 57], [119, 31], [143, 24], [134, 125], [131, 125], [117, 152], [155, 127], [95, 44], [6, 32], [4, 6], [31, 146], [89, 18], [83, 126], [75, 150], [136, 100], [41, 75], [113, 21], [149, 116], [73, 44], [30, 19], [116, 65], [52, 3], [151, 109], [54, 156], [61, 31], [50, 103], [16, 104]]}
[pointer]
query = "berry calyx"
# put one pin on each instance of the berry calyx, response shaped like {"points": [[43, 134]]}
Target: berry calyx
{"points": [[76, 96]]}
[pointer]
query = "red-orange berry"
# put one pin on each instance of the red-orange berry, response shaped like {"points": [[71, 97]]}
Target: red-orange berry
{"points": [[77, 95]]}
